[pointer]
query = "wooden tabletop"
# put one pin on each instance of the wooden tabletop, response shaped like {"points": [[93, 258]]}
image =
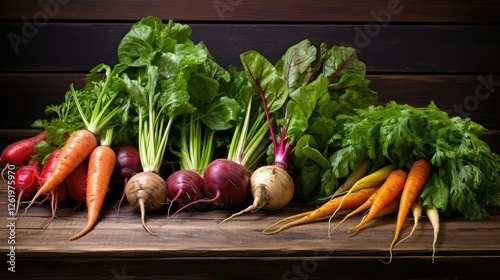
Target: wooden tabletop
{"points": [[193, 246]]}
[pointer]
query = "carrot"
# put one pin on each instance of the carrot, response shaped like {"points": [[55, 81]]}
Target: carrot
{"points": [[391, 188], [101, 165], [433, 215], [353, 200], [78, 147], [374, 179], [416, 210], [390, 208], [417, 177], [358, 173], [366, 205]]}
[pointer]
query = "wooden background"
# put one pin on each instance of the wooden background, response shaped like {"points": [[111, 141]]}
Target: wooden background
{"points": [[415, 51]]}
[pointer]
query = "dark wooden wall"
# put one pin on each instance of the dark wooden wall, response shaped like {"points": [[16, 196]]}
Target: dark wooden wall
{"points": [[415, 51]]}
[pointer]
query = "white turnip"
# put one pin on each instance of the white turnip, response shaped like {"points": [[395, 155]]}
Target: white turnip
{"points": [[146, 191], [271, 187]]}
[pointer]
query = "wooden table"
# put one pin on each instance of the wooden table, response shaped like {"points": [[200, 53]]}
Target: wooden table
{"points": [[193, 246]]}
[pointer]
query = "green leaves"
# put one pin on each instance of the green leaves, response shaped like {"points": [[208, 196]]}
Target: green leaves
{"points": [[466, 176]]}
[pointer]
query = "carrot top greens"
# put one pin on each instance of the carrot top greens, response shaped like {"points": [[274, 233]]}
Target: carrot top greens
{"points": [[466, 177]]}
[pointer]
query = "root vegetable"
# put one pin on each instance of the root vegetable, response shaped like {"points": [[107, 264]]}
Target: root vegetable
{"points": [[25, 182], [101, 164], [271, 187], [19, 153], [146, 191], [353, 200], [226, 183], [128, 163], [184, 187], [76, 182], [389, 191]]}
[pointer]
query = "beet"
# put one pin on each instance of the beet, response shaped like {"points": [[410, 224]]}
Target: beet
{"points": [[226, 183]]}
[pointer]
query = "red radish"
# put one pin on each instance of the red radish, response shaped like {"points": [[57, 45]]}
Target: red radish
{"points": [[58, 195], [20, 152], [76, 182], [128, 163], [25, 182], [184, 187]]}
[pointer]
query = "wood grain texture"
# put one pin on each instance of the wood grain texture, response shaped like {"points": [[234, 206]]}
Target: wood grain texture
{"points": [[77, 47], [191, 245], [256, 10]]}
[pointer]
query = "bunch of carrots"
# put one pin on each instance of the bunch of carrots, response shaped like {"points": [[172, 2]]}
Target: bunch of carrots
{"points": [[383, 192]]}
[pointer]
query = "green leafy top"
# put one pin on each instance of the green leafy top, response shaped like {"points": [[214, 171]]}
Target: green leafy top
{"points": [[160, 60], [303, 92], [466, 173]]}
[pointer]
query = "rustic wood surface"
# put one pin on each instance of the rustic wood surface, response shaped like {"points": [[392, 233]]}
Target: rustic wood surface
{"points": [[193, 246], [259, 10], [415, 52]]}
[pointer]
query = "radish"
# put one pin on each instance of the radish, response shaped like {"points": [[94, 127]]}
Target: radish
{"points": [[26, 181], [20, 152], [60, 194], [76, 182], [128, 163]]}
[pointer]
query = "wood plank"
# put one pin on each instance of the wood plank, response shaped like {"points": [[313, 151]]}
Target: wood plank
{"points": [[257, 10], [77, 47], [193, 245], [456, 93]]}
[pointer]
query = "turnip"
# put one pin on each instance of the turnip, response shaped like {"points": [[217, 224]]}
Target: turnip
{"points": [[285, 95], [157, 86], [147, 192]]}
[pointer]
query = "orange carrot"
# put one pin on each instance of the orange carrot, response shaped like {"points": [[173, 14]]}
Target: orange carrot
{"points": [[390, 208], [353, 200], [101, 164], [77, 149], [366, 205], [372, 180], [417, 177], [389, 191]]}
